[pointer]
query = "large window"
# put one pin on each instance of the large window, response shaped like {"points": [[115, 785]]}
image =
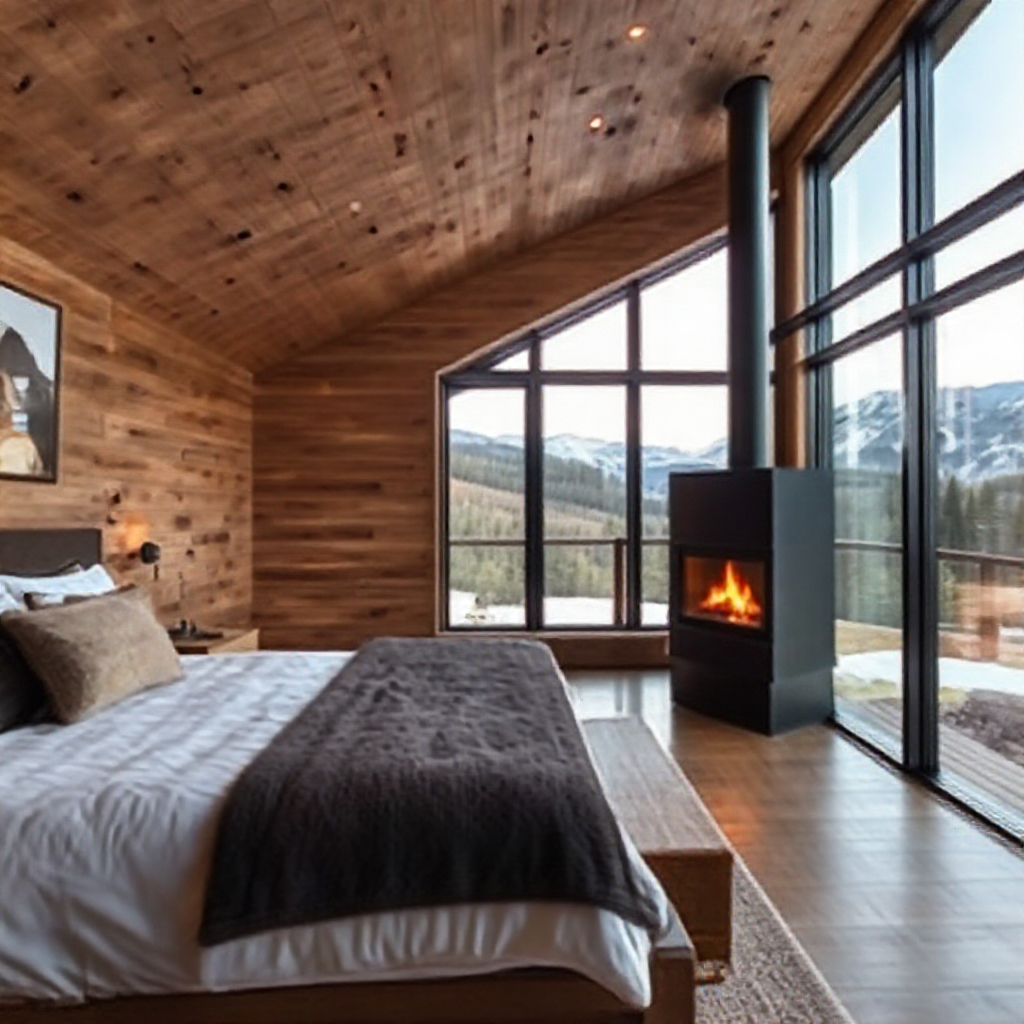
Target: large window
{"points": [[916, 371], [865, 451], [486, 511], [559, 449]]}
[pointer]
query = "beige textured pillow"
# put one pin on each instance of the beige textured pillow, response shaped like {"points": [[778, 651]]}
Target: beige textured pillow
{"points": [[94, 653]]}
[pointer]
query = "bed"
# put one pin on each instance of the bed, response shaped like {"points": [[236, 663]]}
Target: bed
{"points": [[144, 778]]}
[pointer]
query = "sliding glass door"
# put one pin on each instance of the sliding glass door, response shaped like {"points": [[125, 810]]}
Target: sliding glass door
{"points": [[979, 509], [916, 374], [866, 441]]}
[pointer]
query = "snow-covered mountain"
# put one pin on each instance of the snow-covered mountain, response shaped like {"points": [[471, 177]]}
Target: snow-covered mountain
{"points": [[607, 456], [981, 435], [981, 431]]}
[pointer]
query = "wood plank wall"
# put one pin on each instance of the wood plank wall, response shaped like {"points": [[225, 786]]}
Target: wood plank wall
{"points": [[153, 431], [345, 444]]}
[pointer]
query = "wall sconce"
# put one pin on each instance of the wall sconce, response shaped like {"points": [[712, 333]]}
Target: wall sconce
{"points": [[130, 537], [149, 553], [135, 542]]}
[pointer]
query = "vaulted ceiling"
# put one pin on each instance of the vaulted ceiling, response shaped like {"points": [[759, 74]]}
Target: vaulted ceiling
{"points": [[265, 175]]}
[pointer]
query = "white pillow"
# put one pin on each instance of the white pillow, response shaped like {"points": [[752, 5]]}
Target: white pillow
{"points": [[7, 601], [95, 580]]}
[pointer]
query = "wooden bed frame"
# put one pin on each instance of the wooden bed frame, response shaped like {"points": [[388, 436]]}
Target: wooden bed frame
{"points": [[39, 552], [512, 997], [533, 996]]}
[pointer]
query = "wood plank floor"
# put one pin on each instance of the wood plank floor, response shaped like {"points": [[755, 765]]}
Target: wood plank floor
{"points": [[913, 913]]}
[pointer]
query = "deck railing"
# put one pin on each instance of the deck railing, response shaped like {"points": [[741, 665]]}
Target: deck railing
{"points": [[990, 609], [617, 544], [989, 614]]}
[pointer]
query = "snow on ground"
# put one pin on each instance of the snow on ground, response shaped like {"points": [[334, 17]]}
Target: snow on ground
{"points": [[558, 611], [953, 672]]}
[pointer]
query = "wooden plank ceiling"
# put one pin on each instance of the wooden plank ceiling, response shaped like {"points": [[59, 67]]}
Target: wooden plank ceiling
{"points": [[266, 175]]}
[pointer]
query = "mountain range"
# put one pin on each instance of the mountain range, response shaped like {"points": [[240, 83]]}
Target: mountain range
{"points": [[607, 456], [980, 430], [981, 435]]}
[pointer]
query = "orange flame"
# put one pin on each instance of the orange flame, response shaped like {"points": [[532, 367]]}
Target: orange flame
{"points": [[733, 599]]}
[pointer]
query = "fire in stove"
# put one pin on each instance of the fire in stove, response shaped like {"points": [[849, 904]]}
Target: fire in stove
{"points": [[732, 599], [725, 590]]}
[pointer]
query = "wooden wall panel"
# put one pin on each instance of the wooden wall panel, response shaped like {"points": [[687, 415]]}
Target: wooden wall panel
{"points": [[153, 430], [345, 437]]}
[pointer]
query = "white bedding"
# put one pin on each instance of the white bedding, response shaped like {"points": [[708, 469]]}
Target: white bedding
{"points": [[107, 828]]}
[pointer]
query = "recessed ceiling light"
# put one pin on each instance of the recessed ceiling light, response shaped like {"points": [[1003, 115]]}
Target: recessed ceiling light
{"points": [[636, 32], [596, 123], [355, 207]]}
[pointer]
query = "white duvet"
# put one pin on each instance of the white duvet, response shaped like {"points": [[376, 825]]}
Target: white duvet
{"points": [[106, 833]]}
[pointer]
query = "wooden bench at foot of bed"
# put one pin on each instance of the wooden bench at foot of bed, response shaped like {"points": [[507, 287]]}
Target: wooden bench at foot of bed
{"points": [[671, 828]]}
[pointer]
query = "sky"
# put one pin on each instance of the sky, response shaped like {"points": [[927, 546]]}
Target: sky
{"points": [[683, 327], [979, 142], [979, 128], [686, 418], [35, 322]]}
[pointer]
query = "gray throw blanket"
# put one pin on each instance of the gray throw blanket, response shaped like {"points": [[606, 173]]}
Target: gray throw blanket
{"points": [[427, 772]]}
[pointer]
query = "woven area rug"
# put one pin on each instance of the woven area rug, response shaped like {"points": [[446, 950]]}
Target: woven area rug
{"points": [[772, 979]]}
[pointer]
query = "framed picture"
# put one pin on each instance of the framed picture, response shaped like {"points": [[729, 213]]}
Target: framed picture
{"points": [[29, 386]]}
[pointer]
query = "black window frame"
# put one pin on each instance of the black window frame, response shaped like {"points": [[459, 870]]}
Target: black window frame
{"points": [[481, 373], [912, 67]]}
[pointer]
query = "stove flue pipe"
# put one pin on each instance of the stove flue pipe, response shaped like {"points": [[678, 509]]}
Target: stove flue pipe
{"points": [[747, 103]]}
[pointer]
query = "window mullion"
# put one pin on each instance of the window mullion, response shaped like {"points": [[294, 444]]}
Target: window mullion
{"points": [[634, 470], [920, 587], [444, 469], [534, 488], [818, 282]]}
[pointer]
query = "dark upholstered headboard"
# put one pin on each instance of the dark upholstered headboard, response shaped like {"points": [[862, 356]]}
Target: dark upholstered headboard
{"points": [[31, 552]]}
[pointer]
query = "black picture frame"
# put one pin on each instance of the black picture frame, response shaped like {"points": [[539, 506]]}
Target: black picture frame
{"points": [[30, 379]]}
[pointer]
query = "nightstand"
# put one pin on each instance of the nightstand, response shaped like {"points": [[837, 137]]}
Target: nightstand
{"points": [[233, 641]]}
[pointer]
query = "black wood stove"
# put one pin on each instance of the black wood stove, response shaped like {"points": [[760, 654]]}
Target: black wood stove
{"points": [[751, 572], [751, 634]]}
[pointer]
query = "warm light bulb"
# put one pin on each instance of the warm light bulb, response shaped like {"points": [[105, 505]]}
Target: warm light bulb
{"points": [[596, 123], [636, 32]]}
